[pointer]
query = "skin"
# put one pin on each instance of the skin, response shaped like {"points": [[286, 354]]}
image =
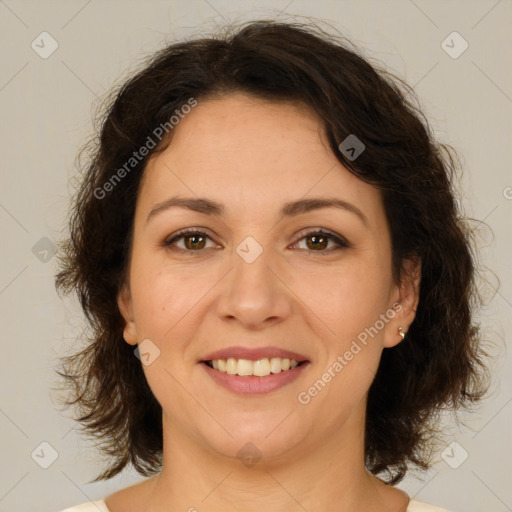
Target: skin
{"points": [[253, 156]]}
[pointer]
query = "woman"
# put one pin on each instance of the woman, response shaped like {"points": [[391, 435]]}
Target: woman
{"points": [[268, 249]]}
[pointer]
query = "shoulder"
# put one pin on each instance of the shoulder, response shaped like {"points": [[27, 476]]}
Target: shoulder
{"points": [[419, 506], [90, 506], [100, 506], [130, 499]]}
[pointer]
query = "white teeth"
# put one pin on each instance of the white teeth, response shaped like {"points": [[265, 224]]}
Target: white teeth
{"points": [[259, 368], [231, 366], [244, 367], [275, 365]]}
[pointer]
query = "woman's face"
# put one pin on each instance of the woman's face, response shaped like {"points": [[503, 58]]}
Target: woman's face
{"points": [[260, 282]]}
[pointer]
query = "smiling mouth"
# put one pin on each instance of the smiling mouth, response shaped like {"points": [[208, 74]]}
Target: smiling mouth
{"points": [[248, 368]]}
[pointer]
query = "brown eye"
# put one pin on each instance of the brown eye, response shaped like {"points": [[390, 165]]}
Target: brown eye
{"points": [[193, 241], [317, 242]]}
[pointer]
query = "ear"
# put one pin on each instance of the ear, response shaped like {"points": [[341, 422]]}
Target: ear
{"points": [[124, 303], [405, 299]]}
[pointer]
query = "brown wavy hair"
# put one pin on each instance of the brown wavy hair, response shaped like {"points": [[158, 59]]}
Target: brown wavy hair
{"points": [[440, 364]]}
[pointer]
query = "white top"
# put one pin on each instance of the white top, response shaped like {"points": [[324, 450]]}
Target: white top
{"points": [[100, 506]]}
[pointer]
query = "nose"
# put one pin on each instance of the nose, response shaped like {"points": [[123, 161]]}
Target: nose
{"points": [[254, 294]]}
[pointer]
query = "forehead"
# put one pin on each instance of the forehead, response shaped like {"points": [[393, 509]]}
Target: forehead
{"points": [[248, 152]]}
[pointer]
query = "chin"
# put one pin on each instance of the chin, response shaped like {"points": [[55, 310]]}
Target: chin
{"points": [[255, 437]]}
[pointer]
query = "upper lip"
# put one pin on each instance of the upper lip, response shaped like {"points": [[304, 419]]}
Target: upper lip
{"points": [[253, 354]]}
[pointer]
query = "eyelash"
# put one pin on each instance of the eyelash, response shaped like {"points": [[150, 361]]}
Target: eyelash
{"points": [[342, 243]]}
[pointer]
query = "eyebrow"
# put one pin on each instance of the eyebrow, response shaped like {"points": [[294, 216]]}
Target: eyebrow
{"points": [[290, 209]]}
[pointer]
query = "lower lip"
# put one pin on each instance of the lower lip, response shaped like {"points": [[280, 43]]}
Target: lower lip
{"points": [[252, 385]]}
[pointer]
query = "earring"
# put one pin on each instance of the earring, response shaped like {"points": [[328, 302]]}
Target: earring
{"points": [[401, 332]]}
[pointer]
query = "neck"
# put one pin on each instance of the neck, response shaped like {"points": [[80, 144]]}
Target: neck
{"points": [[330, 476]]}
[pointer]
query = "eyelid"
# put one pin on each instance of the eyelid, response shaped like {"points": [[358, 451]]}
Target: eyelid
{"points": [[341, 241], [199, 230]]}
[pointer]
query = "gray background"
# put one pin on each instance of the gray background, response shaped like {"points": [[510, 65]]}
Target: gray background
{"points": [[46, 115]]}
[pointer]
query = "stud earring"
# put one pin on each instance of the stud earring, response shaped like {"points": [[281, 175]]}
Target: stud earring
{"points": [[401, 332]]}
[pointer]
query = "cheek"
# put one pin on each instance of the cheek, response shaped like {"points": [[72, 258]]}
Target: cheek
{"points": [[347, 304], [346, 299], [164, 293], [170, 303]]}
